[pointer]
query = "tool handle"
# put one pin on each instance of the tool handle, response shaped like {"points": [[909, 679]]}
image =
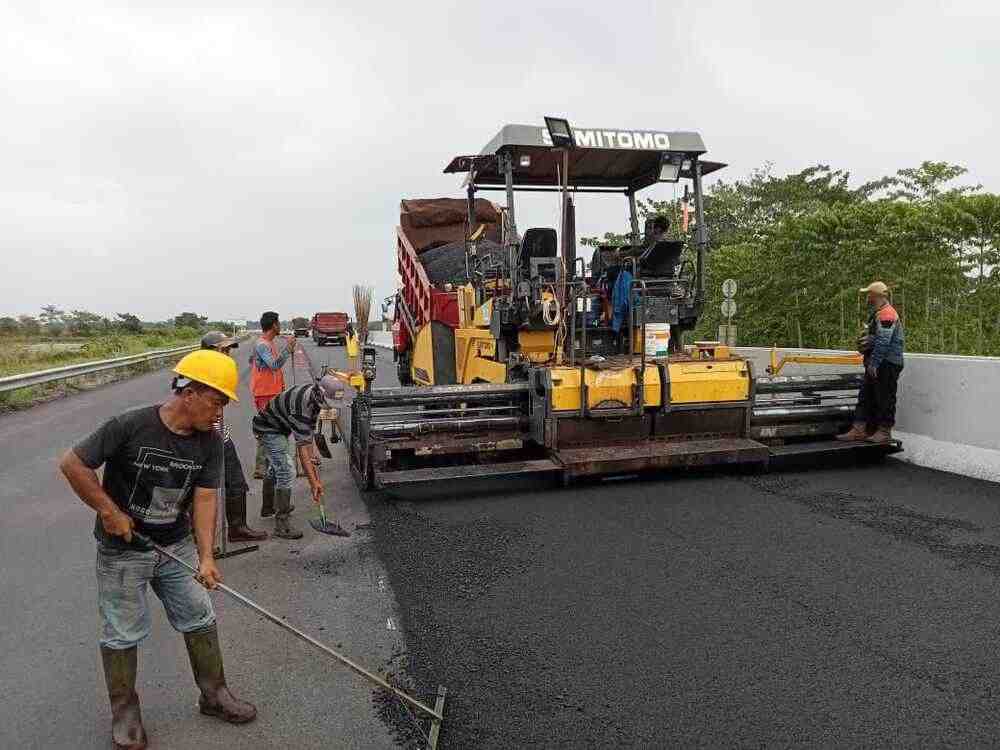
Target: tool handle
{"points": [[347, 662]]}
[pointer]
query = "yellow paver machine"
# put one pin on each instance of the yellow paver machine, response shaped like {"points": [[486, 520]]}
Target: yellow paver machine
{"points": [[518, 357]]}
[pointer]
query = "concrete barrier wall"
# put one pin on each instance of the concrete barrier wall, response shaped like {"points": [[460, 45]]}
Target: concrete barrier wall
{"points": [[950, 398], [948, 411], [948, 415]]}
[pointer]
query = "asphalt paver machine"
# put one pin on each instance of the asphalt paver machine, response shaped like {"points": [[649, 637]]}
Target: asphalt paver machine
{"points": [[521, 358]]}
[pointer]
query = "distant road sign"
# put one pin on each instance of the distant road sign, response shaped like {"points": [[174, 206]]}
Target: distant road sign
{"points": [[729, 288], [728, 307]]}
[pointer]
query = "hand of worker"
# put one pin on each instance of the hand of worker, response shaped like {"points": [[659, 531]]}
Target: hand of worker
{"points": [[209, 574], [317, 492], [117, 523], [872, 372]]}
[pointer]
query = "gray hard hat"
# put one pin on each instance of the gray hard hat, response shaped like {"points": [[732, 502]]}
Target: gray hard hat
{"points": [[328, 390], [218, 340]]}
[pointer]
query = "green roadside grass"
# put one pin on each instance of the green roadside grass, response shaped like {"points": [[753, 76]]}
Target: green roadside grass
{"points": [[21, 356]]}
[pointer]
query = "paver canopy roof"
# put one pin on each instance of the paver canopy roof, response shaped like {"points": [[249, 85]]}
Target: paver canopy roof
{"points": [[603, 157]]}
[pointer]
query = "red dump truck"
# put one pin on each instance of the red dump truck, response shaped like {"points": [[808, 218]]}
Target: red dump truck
{"points": [[330, 326]]}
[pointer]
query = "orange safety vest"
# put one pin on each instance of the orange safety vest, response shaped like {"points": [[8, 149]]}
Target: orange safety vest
{"points": [[887, 314], [263, 381]]}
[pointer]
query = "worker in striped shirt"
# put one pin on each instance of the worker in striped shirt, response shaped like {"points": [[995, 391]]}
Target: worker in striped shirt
{"points": [[293, 413]]}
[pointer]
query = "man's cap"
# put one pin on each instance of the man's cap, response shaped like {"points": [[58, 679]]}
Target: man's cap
{"points": [[218, 340], [878, 287], [328, 390]]}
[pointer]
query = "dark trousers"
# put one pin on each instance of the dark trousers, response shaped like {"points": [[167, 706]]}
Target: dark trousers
{"points": [[877, 398], [236, 481]]}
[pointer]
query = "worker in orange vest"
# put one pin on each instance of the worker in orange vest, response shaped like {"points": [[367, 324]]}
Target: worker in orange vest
{"points": [[267, 380]]}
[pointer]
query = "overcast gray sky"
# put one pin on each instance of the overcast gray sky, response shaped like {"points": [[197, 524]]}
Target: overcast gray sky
{"points": [[226, 160]]}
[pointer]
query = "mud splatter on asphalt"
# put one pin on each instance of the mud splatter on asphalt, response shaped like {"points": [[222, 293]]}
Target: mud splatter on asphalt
{"points": [[929, 531]]}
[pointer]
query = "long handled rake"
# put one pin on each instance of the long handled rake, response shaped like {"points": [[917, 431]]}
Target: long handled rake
{"points": [[435, 715]]}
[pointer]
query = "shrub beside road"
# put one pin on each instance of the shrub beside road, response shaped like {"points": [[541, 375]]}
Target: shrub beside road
{"points": [[25, 355]]}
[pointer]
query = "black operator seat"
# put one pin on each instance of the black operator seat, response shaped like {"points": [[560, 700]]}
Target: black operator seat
{"points": [[538, 242]]}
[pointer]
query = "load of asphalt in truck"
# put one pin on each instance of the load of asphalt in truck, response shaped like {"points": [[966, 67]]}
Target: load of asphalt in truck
{"points": [[446, 264]]}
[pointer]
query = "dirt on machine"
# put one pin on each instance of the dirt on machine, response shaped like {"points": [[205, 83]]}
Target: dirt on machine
{"points": [[518, 356]]}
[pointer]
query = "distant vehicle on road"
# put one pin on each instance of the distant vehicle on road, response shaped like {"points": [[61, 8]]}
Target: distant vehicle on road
{"points": [[300, 326], [330, 326]]}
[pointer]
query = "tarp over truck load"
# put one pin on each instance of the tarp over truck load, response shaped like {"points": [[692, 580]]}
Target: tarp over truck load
{"points": [[431, 222]]}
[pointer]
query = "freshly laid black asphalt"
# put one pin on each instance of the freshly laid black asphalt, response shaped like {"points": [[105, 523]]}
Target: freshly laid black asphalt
{"points": [[830, 608]]}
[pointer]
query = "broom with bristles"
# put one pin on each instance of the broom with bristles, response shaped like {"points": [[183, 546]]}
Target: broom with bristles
{"points": [[362, 309]]}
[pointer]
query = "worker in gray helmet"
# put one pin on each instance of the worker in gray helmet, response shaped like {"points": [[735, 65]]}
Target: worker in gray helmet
{"points": [[294, 413], [235, 480]]}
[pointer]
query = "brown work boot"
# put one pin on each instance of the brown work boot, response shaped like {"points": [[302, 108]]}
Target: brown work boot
{"points": [[283, 509], [882, 436], [206, 663], [857, 432], [120, 666], [236, 515]]}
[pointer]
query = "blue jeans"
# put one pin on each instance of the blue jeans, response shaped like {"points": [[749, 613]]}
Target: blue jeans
{"points": [[122, 576], [279, 465]]}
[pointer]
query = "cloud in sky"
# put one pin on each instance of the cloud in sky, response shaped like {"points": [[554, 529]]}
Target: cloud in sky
{"points": [[227, 160]]}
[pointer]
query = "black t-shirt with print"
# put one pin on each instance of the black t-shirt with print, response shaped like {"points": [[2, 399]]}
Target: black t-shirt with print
{"points": [[151, 472]]}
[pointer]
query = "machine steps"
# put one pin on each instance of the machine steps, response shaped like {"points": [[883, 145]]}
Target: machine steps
{"points": [[806, 453], [411, 477], [652, 455]]}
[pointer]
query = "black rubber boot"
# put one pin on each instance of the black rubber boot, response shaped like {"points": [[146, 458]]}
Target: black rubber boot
{"points": [[267, 498], [236, 517], [283, 507], [206, 663], [120, 666], [260, 463]]}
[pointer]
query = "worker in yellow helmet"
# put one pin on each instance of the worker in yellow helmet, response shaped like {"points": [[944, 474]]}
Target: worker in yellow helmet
{"points": [[159, 462]]}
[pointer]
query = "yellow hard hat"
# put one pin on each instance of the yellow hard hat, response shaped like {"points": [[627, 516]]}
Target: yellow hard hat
{"points": [[212, 368]]}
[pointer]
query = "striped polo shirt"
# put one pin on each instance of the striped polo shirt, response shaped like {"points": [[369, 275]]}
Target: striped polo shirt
{"points": [[292, 412]]}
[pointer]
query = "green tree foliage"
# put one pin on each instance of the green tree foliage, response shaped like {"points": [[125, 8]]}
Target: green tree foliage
{"points": [[802, 245], [83, 323], [219, 325], [8, 326], [190, 320], [128, 323], [52, 319], [28, 325]]}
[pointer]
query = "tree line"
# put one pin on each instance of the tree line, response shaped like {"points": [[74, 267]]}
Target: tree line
{"points": [[52, 322], [801, 245]]}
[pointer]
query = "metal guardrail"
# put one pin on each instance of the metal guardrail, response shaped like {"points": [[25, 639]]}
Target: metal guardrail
{"points": [[24, 380]]}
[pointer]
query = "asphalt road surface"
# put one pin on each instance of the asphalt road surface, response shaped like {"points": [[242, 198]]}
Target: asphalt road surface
{"points": [[850, 607]]}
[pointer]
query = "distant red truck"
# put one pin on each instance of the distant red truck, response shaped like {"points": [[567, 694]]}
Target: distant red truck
{"points": [[330, 326]]}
